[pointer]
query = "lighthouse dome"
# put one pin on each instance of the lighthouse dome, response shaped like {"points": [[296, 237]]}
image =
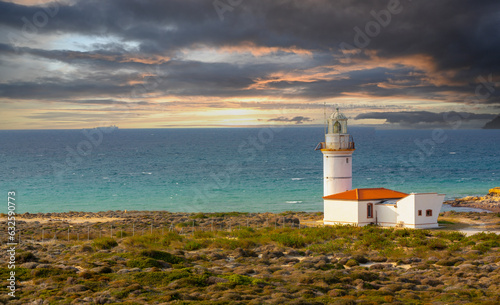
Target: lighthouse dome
{"points": [[338, 116], [337, 123]]}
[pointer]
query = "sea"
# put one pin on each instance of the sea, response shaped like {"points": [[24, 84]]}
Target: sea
{"points": [[268, 169]]}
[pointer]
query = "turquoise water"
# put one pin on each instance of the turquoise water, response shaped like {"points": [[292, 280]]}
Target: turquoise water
{"points": [[241, 169]]}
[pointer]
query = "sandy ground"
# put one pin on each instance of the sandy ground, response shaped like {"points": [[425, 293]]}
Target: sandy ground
{"points": [[75, 220]]}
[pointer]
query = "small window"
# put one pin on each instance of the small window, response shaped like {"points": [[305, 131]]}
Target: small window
{"points": [[428, 213], [419, 212], [346, 160], [369, 210]]}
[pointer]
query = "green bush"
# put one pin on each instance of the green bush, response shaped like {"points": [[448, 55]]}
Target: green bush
{"points": [[483, 247], [143, 263], [25, 256], [49, 272], [153, 240], [437, 244], [161, 255], [352, 263], [198, 216], [104, 243], [289, 240], [160, 278], [231, 244], [192, 245], [187, 224], [120, 234]]}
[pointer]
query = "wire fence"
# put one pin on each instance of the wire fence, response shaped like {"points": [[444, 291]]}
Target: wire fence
{"points": [[71, 232]]}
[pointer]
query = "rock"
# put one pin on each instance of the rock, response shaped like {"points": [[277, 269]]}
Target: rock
{"points": [[431, 282], [29, 265], [123, 271], [215, 280], [494, 192], [103, 269], [75, 288], [43, 266], [71, 281]]}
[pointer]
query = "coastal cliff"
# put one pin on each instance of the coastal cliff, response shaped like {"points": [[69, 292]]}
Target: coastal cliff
{"points": [[490, 202]]}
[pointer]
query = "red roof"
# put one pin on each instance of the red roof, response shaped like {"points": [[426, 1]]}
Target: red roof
{"points": [[367, 194]]}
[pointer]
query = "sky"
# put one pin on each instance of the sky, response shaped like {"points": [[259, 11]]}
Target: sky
{"points": [[236, 63]]}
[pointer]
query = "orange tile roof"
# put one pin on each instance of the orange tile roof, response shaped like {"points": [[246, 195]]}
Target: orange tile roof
{"points": [[367, 194]]}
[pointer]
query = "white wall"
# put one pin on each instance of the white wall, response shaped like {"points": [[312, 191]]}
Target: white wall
{"points": [[386, 215], [337, 171], [340, 212], [409, 206]]}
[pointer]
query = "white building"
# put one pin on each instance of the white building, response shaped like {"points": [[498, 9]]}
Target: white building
{"points": [[369, 205]]}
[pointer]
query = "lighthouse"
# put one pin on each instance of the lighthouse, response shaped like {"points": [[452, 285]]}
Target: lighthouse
{"points": [[364, 206], [337, 155]]}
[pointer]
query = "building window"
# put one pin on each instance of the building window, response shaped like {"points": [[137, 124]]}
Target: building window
{"points": [[346, 160], [369, 210], [337, 128], [428, 213], [419, 212]]}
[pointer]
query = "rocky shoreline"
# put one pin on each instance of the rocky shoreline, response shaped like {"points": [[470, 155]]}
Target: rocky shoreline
{"points": [[489, 202]]}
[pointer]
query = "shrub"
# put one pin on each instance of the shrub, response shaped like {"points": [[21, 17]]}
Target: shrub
{"points": [[198, 216], [232, 244], [104, 243], [289, 240], [161, 255], [352, 263], [48, 272], [483, 247], [436, 244], [150, 241], [187, 224], [23, 257], [452, 236], [330, 246], [237, 279], [143, 263], [192, 245], [120, 234], [160, 278]]}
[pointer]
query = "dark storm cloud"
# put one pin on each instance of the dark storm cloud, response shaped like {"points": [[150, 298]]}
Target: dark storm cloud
{"points": [[296, 120], [460, 38], [425, 117]]}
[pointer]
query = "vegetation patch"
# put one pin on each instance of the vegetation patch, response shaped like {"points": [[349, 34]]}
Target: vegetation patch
{"points": [[161, 255], [104, 243]]}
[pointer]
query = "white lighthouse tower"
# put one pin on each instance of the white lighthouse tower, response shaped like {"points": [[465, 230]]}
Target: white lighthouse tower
{"points": [[337, 155]]}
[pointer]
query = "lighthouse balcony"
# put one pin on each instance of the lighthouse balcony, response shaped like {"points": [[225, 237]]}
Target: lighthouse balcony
{"points": [[341, 143]]}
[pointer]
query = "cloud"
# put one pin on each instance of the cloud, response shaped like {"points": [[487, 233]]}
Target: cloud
{"points": [[91, 52], [296, 120], [414, 118]]}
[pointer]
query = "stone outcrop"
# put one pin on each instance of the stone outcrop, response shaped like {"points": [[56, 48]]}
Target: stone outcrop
{"points": [[490, 202]]}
